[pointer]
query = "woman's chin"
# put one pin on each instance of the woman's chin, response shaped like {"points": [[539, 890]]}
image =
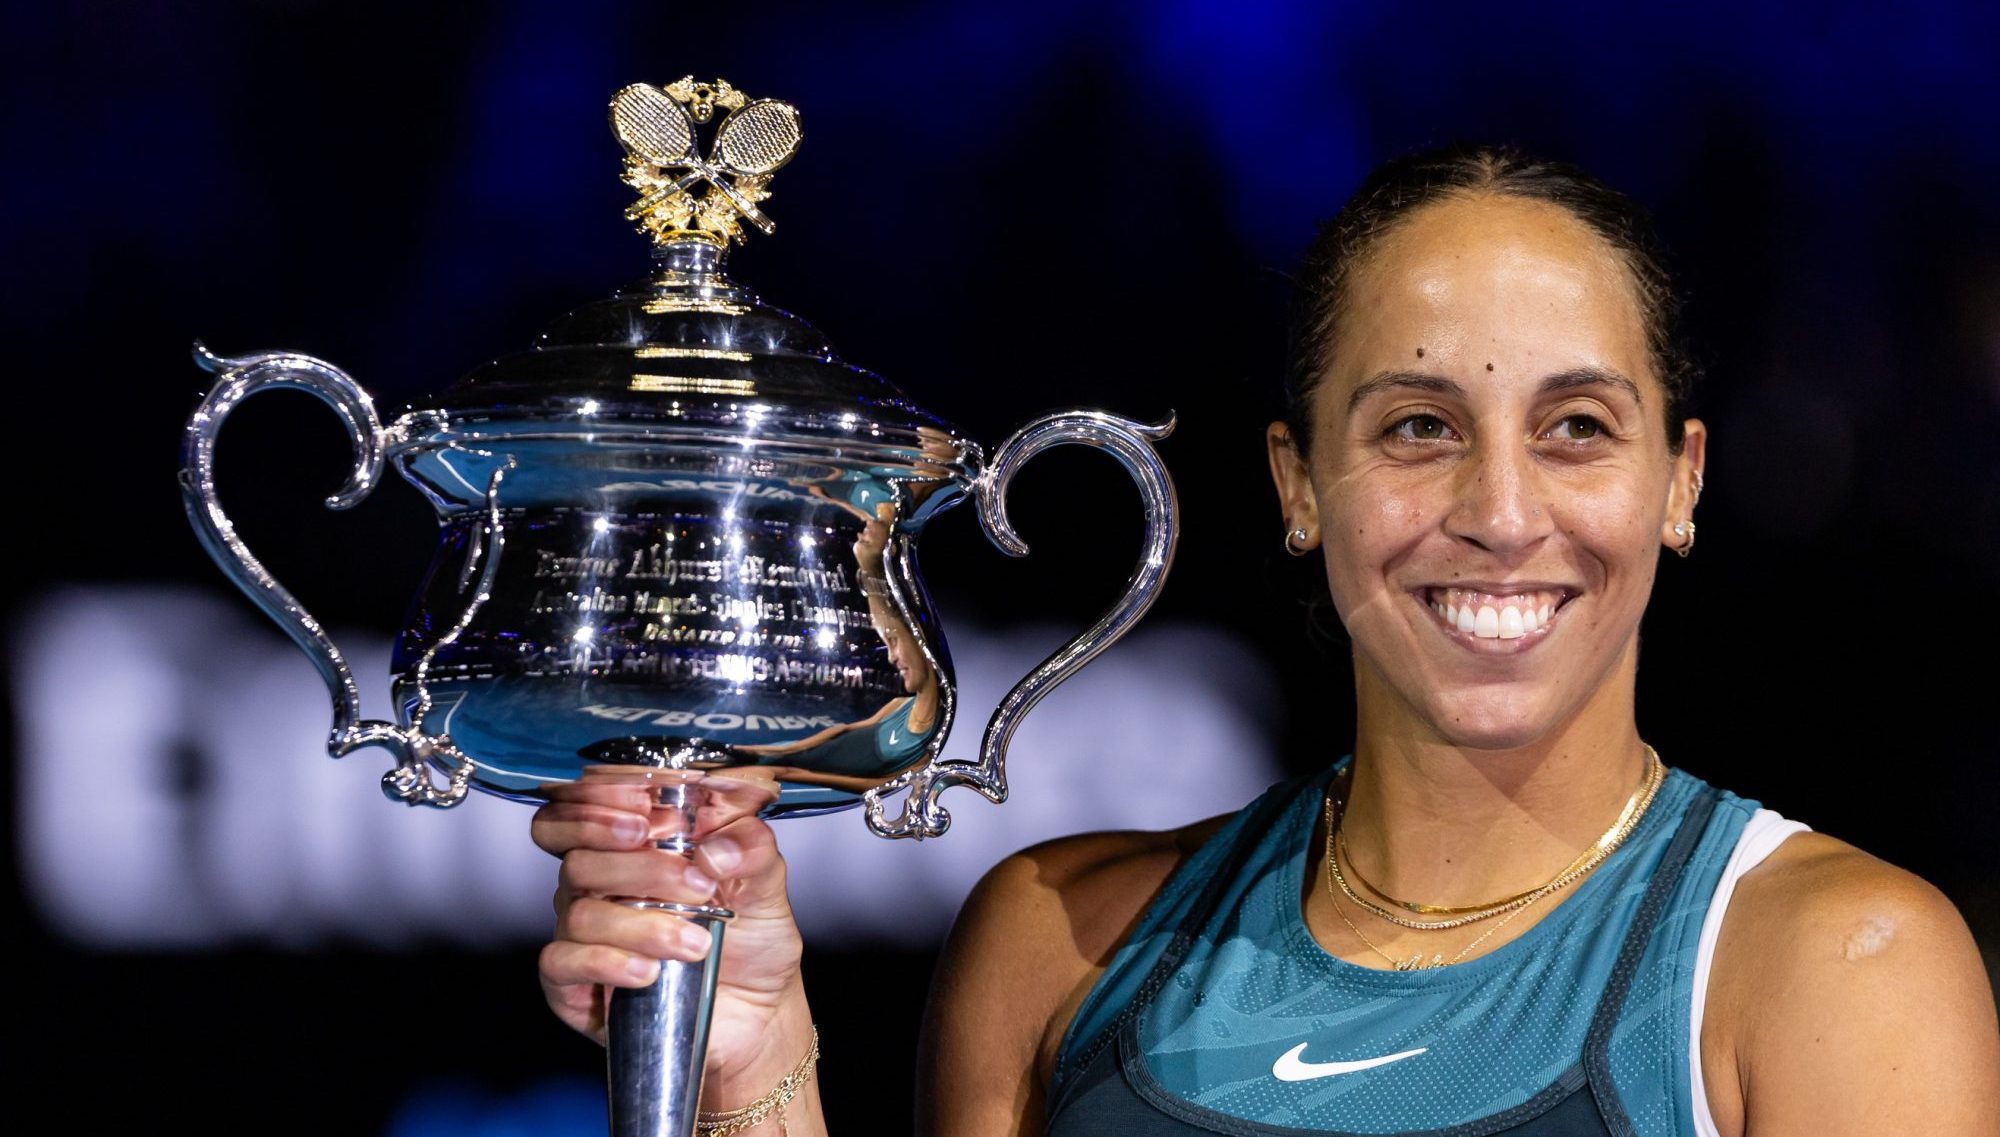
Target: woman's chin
{"points": [[1493, 720]]}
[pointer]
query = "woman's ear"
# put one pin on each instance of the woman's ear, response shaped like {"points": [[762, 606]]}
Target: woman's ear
{"points": [[1684, 488], [1295, 494]]}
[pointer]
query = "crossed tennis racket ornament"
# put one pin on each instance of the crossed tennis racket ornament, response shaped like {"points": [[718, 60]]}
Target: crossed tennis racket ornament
{"points": [[663, 158]]}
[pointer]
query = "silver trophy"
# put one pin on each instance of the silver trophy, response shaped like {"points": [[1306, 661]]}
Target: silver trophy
{"points": [[677, 561]]}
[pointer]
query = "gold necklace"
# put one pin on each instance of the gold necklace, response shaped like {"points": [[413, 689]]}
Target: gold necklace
{"points": [[1354, 870], [1628, 820], [1585, 861], [1613, 837], [1416, 961]]}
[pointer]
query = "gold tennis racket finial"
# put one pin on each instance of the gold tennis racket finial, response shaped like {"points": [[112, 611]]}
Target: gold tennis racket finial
{"points": [[663, 160]]}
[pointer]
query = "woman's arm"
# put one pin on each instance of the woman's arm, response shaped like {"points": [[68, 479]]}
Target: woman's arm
{"points": [[822, 736], [1030, 942], [1853, 1001]]}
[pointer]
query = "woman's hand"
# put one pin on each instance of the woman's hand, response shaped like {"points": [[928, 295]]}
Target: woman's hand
{"points": [[607, 850]]}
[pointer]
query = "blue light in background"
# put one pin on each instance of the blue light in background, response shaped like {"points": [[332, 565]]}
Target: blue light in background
{"points": [[557, 1107], [1255, 83]]}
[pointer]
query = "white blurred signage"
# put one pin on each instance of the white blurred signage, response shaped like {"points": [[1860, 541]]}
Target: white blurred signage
{"points": [[175, 791]]}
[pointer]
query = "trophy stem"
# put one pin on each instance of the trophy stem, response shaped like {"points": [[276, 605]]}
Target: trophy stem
{"points": [[657, 1036]]}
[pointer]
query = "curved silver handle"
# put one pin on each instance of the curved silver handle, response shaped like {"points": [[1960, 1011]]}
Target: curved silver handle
{"points": [[1131, 443], [237, 379]]}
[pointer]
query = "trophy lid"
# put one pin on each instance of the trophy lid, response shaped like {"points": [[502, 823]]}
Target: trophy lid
{"points": [[689, 350]]}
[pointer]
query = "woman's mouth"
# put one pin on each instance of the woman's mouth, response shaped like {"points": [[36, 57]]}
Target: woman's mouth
{"points": [[1492, 615]]}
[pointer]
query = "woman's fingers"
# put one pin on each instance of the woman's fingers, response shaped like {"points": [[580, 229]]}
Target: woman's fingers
{"points": [[567, 965], [650, 874], [603, 941], [579, 1005], [561, 826], [603, 944], [743, 857]]}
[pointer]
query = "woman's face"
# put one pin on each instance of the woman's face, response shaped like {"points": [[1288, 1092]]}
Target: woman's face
{"points": [[1489, 477]]}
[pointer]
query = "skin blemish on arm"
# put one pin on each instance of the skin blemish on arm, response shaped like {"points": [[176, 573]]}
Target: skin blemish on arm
{"points": [[1870, 937]]}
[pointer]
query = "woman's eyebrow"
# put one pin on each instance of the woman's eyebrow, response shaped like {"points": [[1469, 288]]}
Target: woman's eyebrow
{"points": [[1568, 380], [1592, 377], [1411, 380]]}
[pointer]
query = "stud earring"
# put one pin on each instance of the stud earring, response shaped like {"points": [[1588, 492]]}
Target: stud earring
{"points": [[1684, 529], [1295, 542]]}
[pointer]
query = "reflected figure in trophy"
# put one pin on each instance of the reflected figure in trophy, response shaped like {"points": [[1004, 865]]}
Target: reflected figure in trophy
{"points": [[870, 494], [862, 754]]}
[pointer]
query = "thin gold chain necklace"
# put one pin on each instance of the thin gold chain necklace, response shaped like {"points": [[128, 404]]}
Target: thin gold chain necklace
{"points": [[1416, 961], [1628, 819], [1354, 870]]}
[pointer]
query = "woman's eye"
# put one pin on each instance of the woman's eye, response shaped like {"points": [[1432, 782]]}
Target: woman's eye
{"points": [[1422, 428], [1577, 428]]}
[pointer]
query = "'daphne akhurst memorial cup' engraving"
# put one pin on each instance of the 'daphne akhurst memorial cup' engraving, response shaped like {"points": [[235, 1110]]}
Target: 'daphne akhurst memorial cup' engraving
{"points": [[677, 558]]}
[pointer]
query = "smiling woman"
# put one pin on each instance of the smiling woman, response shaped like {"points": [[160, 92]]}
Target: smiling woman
{"points": [[1488, 437], [1503, 912]]}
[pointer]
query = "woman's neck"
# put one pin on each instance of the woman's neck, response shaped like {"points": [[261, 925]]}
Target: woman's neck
{"points": [[1438, 823]]}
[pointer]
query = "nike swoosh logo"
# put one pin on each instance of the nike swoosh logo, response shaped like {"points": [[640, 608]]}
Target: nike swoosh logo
{"points": [[1292, 1066]]}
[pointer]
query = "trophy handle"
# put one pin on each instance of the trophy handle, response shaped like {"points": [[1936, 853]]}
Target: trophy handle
{"points": [[1131, 443], [237, 379]]}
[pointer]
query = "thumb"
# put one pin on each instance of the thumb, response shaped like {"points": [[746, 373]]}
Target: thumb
{"points": [[749, 871]]}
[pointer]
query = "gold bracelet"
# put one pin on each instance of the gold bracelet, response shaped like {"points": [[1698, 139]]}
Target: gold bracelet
{"points": [[761, 1110]]}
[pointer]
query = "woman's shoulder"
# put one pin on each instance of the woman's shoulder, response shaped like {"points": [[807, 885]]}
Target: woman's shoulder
{"points": [[1848, 987], [1079, 897], [1817, 900], [1089, 887], [1031, 939]]}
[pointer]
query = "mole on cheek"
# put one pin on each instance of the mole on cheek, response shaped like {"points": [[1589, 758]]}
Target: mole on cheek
{"points": [[1489, 367], [1420, 353]]}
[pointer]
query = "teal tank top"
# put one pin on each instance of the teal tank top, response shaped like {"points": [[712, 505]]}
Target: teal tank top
{"points": [[1578, 1027], [874, 751]]}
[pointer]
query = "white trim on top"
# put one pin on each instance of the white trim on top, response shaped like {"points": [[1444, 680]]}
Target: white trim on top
{"points": [[1763, 834]]}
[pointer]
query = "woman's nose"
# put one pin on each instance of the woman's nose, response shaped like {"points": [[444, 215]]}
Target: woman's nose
{"points": [[1498, 504]]}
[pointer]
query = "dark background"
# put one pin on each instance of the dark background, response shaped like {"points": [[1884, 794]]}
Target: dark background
{"points": [[1003, 208]]}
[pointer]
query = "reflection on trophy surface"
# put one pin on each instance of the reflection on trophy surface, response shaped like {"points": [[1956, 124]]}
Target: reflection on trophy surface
{"points": [[861, 754], [677, 559]]}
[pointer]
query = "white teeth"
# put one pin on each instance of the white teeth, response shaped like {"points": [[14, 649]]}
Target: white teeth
{"points": [[1513, 618], [1486, 625]]}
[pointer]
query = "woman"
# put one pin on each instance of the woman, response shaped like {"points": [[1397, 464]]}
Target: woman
{"points": [[853, 755], [1502, 914]]}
